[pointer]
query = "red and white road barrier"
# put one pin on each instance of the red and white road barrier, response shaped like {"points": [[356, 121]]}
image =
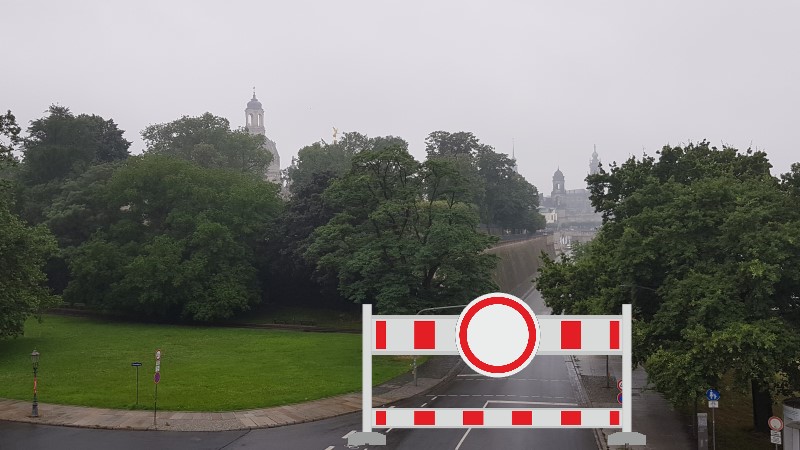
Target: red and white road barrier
{"points": [[497, 335], [497, 418]]}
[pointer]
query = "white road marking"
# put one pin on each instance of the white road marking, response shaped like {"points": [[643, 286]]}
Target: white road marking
{"points": [[348, 434], [330, 448], [424, 405], [499, 395], [518, 402], [435, 397]]}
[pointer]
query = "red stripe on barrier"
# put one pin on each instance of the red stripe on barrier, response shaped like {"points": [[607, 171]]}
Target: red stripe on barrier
{"points": [[521, 418], [424, 334], [472, 418], [424, 417], [380, 334], [380, 417], [615, 335], [614, 417], [571, 334], [570, 417]]}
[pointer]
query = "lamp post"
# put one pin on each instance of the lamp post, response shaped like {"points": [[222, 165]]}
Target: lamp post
{"points": [[35, 361], [414, 362]]}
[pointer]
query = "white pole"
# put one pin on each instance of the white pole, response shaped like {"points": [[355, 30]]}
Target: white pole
{"points": [[366, 368], [627, 353]]}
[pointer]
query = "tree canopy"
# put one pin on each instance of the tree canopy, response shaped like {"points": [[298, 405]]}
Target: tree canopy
{"points": [[398, 239], [702, 242], [23, 251], [209, 142], [177, 242]]}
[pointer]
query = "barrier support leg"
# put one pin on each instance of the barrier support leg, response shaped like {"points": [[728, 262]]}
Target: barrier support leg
{"points": [[627, 436], [366, 436]]}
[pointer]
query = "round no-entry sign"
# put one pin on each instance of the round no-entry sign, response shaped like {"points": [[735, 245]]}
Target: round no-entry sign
{"points": [[775, 423], [497, 335]]}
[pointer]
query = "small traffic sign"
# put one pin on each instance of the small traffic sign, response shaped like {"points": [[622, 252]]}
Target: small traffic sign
{"points": [[136, 364], [158, 355], [775, 437], [713, 403], [158, 366], [619, 398], [775, 423], [712, 394], [157, 377], [619, 385]]}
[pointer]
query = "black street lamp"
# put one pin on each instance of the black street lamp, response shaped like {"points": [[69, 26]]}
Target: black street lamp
{"points": [[35, 361]]}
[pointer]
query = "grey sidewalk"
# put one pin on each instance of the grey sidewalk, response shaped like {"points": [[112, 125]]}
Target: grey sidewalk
{"points": [[653, 416], [433, 372]]}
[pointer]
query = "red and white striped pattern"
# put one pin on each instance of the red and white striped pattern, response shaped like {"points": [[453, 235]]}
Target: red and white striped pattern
{"points": [[497, 418], [436, 335]]}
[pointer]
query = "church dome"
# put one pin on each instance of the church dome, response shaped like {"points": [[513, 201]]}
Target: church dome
{"points": [[558, 175], [254, 103]]}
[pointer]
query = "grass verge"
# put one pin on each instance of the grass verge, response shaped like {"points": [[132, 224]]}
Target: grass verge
{"points": [[88, 362]]}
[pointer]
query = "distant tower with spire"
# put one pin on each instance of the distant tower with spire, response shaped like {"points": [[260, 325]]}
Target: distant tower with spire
{"points": [[513, 158], [594, 164], [254, 122]]}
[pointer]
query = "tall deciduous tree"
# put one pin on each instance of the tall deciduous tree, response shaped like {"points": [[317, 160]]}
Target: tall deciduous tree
{"points": [[502, 196], [208, 141], [397, 241], [177, 242], [701, 242], [23, 251]]}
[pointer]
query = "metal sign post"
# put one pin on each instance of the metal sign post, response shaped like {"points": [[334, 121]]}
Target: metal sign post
{"points": [[137, 365], [713, 403], [156, 379]]}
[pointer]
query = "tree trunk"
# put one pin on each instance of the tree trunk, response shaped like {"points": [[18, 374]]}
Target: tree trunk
{"points": [[762, 406]]}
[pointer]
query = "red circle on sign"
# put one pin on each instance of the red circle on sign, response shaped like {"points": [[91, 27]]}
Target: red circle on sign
{"points": [[775, 423], [619, 385], [530, 322]]}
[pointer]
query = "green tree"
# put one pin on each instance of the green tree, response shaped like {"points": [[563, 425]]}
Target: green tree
{"points": [[699, 242], [209, 142], [395, 246], [503, 197], [320, 157], [23, 251], [63, 144], [176, 242]]}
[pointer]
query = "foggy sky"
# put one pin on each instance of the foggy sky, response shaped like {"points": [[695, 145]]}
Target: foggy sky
{"points": [[556, 77]]}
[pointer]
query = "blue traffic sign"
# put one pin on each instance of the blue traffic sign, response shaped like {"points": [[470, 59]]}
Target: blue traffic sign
{"points": [[712, 395], [619, 398]]}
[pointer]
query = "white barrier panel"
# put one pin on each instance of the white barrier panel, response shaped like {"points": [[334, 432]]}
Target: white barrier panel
{"points": [[436, 335], [497, 418]]}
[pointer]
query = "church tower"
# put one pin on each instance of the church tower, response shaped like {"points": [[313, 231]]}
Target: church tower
{"points": [[558, 184], [254, 122], [594, 164]]}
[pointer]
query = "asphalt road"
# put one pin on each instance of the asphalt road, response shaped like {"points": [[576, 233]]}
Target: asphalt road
{"points": [[545, 382]]}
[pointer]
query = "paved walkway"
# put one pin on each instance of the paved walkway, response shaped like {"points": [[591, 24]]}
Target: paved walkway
{"points": [[652, 414], [433, 372]]}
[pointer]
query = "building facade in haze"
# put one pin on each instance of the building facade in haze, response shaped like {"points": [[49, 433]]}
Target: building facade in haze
{"points": [[254, 122], [570, 207]]}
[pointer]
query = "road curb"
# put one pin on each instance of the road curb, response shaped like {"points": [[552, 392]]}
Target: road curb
{"points": [[599, 436]]}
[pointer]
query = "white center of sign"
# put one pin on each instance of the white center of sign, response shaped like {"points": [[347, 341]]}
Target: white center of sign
{"points": [[497, 335]]}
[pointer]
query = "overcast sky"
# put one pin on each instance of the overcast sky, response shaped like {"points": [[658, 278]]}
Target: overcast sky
{"points": [[557, 77]]}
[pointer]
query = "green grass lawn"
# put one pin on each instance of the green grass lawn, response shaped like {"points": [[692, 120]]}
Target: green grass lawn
{"points": [[88, 362]]}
